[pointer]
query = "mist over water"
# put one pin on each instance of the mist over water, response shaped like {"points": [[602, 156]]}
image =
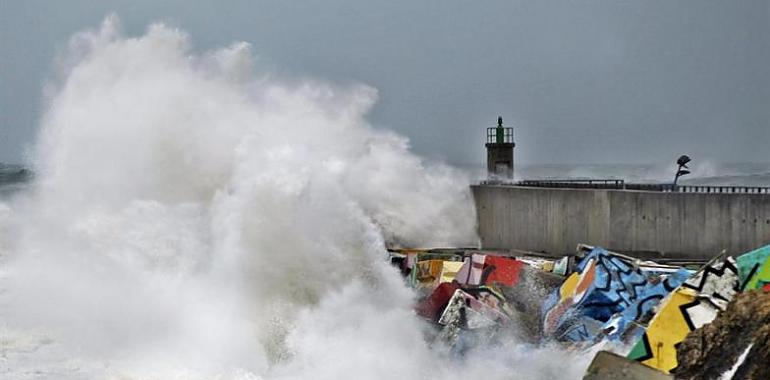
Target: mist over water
{"points": [[194, 218]]}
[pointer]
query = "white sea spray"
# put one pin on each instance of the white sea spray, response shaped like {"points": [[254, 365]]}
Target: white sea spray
{"points": [[194, 218]]}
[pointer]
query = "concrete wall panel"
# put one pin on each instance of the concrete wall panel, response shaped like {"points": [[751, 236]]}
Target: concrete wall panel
{"points": [[672, 224]]}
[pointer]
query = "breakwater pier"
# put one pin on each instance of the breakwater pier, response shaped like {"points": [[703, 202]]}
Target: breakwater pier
{"points": [[691, 222], [647, 220]]}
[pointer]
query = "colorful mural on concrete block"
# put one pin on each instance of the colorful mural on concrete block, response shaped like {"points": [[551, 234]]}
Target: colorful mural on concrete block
{"points": [[718, 281], [754, 268], [560, 305], [481, 269], [432, 306], [486, 311], [431, 273], [604, 287], [619, 324], [762, 278], [471, 297], [473, 267], [473, 309], [693, 304], [501, 271], [680, 313]]}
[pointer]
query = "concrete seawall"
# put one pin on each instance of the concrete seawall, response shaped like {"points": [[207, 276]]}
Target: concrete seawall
{"points": [[682, 225]]}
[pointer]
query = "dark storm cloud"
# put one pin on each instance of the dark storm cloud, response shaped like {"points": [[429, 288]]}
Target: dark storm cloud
{"points": [[582, 81]]}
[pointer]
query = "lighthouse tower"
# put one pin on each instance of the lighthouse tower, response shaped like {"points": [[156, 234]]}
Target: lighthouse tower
{"points": [[500, 152]]}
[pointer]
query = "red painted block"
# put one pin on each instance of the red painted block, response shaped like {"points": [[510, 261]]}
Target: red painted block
{"points": [[432, 306], [501, 270]]}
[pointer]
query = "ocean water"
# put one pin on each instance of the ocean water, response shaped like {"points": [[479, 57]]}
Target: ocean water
{"points": [[191, 217], [14, 178]]}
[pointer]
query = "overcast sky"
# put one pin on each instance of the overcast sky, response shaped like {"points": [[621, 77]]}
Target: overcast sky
{"points": [[581, 81]]}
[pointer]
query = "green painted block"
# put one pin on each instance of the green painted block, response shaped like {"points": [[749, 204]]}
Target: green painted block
{"points": [[754, 267], [761, 277], [640, 351]]}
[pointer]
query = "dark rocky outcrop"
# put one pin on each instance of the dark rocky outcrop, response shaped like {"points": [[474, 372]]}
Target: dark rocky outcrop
{"points": [[737, 340]]}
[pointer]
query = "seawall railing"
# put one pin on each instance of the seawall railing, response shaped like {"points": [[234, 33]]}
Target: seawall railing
{"points": [[619, 184]]}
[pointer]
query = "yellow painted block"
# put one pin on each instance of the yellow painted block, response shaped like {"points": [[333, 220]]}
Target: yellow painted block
{"points": [[568, 287], [680, 313], [428, 272], [449, 270]]}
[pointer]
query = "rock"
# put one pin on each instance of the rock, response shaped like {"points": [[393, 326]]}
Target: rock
{"points": [[736, 345]]}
